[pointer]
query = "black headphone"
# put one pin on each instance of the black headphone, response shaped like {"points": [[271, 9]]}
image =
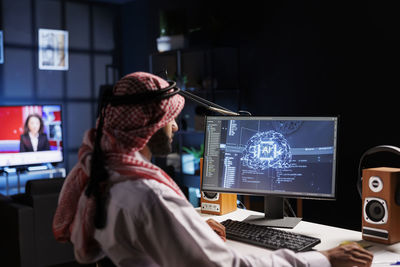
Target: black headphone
{"points": [[369, 152]]}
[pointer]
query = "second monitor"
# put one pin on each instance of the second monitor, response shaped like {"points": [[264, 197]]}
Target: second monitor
{"points": [[276, 157]]}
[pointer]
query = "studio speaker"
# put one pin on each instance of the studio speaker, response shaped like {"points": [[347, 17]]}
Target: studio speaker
{"points": [[216, 203], [380, 212]]}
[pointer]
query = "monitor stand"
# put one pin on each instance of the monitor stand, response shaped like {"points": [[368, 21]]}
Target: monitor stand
{"points": [[273, 214]]}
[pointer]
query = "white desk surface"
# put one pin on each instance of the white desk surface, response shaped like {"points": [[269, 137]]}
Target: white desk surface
{"points": [[330, 237]]}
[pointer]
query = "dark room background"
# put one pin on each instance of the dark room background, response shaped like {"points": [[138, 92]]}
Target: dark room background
{"points": [[91, 49], [294, 58]]}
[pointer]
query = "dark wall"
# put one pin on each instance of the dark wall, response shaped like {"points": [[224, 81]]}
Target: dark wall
{"points": [[138, 35], [341, 60], [306, 58]]}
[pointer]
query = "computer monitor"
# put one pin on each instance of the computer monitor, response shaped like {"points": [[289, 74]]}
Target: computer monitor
{"points": [[30, 135], [275, 157]]}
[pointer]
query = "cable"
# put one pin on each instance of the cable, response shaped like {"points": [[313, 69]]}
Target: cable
{"points": [[240, 204], [289, 206]]}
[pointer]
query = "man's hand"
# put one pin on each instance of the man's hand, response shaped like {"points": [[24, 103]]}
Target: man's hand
{"points": [[348, 256], [218, 228]]}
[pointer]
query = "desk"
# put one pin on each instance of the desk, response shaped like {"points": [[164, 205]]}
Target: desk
{"points": [[330, 237], [14, 182]]}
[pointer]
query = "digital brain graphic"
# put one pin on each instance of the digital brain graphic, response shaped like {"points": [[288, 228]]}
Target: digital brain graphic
{"points": [[265, 150]]}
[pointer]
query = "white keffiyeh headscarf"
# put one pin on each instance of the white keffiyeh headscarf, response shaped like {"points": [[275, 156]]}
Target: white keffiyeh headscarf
{"points": [[126, 130]]}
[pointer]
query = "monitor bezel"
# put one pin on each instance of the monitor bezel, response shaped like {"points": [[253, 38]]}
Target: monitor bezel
{"points": [[3, 105], [332, 196]]}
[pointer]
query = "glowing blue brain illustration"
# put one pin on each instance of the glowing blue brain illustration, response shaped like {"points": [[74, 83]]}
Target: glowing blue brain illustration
{"points": [[267, 150]]}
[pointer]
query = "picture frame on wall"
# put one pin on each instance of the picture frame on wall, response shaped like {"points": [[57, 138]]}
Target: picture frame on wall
{"points": [[53, 49], [1, 48]]}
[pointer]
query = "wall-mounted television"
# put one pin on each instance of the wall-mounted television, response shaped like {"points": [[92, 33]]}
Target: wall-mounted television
{"points": [[30, 135]]}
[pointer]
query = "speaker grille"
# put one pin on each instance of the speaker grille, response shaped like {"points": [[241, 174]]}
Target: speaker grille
{"points": [[211, 196], [375, 210], [378, 233]]}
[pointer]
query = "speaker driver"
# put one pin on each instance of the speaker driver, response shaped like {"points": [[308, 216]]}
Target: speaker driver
{"points": [[375, 210], [210, 195]]}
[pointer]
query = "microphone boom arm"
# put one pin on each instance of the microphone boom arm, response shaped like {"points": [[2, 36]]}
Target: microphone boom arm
{"points": [[207, 104]]}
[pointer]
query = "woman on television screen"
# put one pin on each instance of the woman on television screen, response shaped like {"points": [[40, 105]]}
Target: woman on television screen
{"points": [[33, 138]]}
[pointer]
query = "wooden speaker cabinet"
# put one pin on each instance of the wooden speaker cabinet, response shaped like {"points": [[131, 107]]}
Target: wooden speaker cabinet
{"points": [[380, 212]]}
